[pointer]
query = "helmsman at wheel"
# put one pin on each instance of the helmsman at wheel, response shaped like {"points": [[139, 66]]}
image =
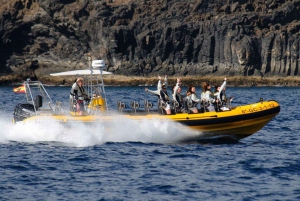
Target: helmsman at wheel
{"points": [[78, 96]]}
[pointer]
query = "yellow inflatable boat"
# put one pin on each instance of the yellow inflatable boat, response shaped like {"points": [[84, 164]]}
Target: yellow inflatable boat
{"points": [[238, 122]]}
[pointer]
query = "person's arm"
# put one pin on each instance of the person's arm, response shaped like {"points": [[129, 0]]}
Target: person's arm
{"points": [[159, 86], [166, 81], [195, 99], [202, 96], [179, 81], [221, 88], [74, 91], [156, 92], [175, 92]]}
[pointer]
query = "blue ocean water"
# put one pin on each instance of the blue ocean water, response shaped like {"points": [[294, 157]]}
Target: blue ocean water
{"points": [[142, 162]]}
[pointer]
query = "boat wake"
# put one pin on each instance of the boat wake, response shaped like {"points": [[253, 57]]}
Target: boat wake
{"points": [[81, 135]]}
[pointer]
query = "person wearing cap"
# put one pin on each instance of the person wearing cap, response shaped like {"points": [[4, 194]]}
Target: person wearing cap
{"points": [[162, 94], [78, 96]]}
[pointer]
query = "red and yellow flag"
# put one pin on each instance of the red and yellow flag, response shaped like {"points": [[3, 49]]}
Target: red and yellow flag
{"points": [[20, 89]]}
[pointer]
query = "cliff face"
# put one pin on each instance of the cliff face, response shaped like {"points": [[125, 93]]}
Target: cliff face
{"points": [[150, 37]]}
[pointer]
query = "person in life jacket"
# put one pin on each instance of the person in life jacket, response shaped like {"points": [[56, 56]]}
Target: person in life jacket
{"points": [[78, 96], [178, 97], [162, 94], [192, 99], [220, 96], [207, 97]]}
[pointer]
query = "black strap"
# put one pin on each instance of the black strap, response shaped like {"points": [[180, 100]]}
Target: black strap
{"points": [[81, 89]]}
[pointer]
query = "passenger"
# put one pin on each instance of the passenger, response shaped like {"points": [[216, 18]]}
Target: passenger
{"points": [[218, 102], [192, 98], [78, 96], [177, 97], [220, 96], [162, 94], [207, 97]]}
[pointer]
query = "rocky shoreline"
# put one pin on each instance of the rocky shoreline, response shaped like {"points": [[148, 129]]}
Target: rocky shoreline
{"points": [[198, 80], [121, 80], [152, 37]]}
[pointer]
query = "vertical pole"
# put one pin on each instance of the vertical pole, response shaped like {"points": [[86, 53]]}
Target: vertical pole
{"points": [[103, 89]]}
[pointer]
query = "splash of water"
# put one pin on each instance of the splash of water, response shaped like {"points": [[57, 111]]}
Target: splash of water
{"points": [[120, 129]]}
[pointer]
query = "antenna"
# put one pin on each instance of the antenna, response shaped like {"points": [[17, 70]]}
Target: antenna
{"points": [[89, 61], [100, 64]]}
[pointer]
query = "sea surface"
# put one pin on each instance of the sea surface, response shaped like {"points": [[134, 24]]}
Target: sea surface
{"points": [[142, 162]]}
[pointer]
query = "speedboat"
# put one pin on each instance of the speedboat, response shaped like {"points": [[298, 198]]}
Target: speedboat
{"points": [[238, 122]]}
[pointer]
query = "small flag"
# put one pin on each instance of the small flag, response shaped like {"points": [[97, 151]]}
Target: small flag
{"points": [[20, 89]]}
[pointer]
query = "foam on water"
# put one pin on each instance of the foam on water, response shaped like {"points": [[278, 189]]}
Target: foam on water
{"points": [[81, 135]]}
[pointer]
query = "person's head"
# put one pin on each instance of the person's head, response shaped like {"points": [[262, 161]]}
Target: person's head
{"points": [[179, 90], [206, 86], [164, 87], [79, 81], [217, 88], [191, 89]]}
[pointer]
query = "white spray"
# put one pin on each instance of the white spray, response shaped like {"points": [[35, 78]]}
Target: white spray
{"points": [[81, 134]]}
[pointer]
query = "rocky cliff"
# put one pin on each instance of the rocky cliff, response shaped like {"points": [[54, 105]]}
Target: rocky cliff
{"points": [[150, 37]]}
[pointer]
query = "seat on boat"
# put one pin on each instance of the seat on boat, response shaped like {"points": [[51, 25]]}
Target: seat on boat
{"points": [[147, 105], [38, 102]]}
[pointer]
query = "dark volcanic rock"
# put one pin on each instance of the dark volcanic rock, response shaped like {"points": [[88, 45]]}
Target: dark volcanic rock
{"points": [[150, 37]]}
